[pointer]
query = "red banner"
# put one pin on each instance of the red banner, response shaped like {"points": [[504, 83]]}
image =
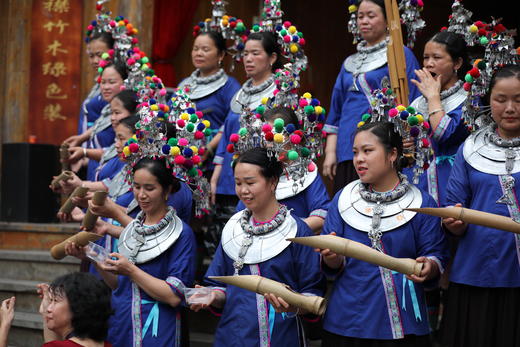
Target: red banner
{"points": [[54, 101]]}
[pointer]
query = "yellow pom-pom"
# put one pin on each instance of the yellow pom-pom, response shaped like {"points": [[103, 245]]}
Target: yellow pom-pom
{"points": [[293, 48], [225, 22], [121, 23], [126, 151], [226, 17], [185, 116], [235, 156], [265, 100], [352, 8], [278, 138], [154, 107], [473, 29], [318, 110], [307, 95], [360, 124], [175, 150], [135, 31], [206, 123], [292, 29], [401, 108], [207, 20], [420, 118], [194, 149], [134, 137]]}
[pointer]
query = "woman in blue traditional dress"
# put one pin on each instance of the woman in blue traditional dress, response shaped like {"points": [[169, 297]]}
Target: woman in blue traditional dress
{"points": [[443, 95], [361, 73], [156, 260], [484, 291], [209, 86], [261, 58], [310, 200], [371, 305], [254, 243], [101, 135]]}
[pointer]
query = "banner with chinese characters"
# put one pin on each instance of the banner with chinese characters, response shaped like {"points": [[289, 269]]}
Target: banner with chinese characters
{"points": [[54, 90]]}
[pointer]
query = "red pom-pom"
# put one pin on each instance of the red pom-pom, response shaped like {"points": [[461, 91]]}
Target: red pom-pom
{"points": [[133, 147], [444, 28], [425, 143], [234, 138], [499, 28], [134, 40], [319, 126], [479, 24], [302, 41], [267, 127], [467, 86], [198, 135], [474, 72], [295, 139], [179, 160], [269, 136], [299, 133], [287, 24], [196, 159], [99, 7], [230, 148], [181, 123], [482, 32], [202, 150]]}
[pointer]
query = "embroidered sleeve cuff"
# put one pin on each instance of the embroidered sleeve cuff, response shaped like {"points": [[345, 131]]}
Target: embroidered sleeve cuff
{"points": [[214, 310], [330, 129], [438, 132], [177, 286], [218, 160], [319, 213], [106, 182]]}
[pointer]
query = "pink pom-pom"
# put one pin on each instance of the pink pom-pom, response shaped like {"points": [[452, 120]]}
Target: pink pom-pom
{"points": [[112, 23], [199, 135], [234, 138], [181, 123], [123, 87], [130, 61], [426, 125], [111, 52], [286, 39], [276, 91], [196, 159], [393, 112], [267, 127], [295, 139], [199, 114], [179, 160], [303, 102], [162, 92], [287, 24], [302, 41], [133, 147], [311, 167], [90, 27], [183, 142], [420, 3]]}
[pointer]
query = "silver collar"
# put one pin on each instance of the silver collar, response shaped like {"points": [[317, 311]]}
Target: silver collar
{"points": [[118, 185], [251, 100], [200, 87], [484, 156], [288, 188], [449, 103], [364, 61], [154, 245], [358, 212], [264, 247]]}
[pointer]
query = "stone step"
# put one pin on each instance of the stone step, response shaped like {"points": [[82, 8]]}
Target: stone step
{"points": [[34, 265], [27, 299], [34, 236], [26, 330]]}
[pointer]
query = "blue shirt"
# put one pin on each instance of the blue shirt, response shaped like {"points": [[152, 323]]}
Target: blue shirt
{"points": [[226, 181], [347, 106], [358, 304], [297, 266], [485, 257]]}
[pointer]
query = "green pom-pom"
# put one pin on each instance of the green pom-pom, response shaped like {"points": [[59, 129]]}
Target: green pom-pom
{"points": [[132, 140], [292, 155], [305, 152], [207, 132], [99, 69], [308, 109], [283, 32], [410, 109], [173, 141], [193, 172], [389, 91], [242, 132], [278, 122], [194, 118], [481, 65], [138, 125], [152, 85], [412, 120], [484, 41], [105, 56], [366, 117], [260, 109], [256, 28], [300, 34], [144, 60], [468, 78], [190, 127]]}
